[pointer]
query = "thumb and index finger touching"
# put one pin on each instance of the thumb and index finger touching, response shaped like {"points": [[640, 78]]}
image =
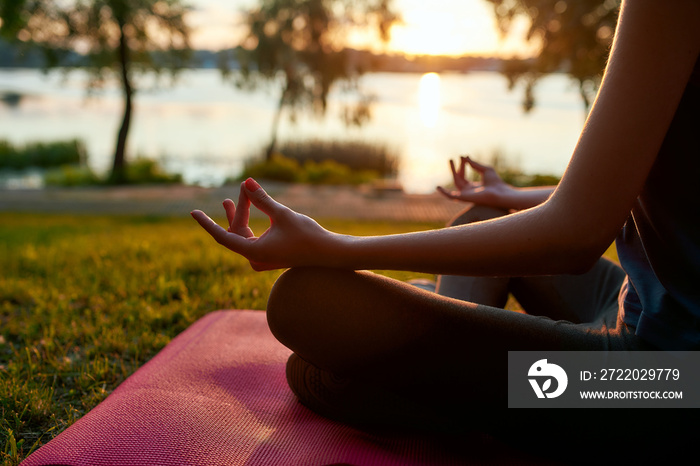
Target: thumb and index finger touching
{"points": [[459, 174], [475, 165], [236, 235], [260, 199]]}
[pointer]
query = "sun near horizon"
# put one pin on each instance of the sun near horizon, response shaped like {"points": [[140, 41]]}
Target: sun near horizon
{"points": [[438, 27], [451, 28]]}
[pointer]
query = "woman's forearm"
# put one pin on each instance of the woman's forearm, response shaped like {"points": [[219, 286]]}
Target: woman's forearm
{"points": [[524, 243], [525, 198]]}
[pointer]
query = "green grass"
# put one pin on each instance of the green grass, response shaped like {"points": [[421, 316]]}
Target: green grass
{"points": [[87, 300]]}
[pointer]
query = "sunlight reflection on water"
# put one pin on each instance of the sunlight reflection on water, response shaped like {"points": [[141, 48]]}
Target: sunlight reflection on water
{"points": [[429, 99]]}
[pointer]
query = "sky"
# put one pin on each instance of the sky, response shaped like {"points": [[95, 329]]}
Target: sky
{"points": [[438, 27]]}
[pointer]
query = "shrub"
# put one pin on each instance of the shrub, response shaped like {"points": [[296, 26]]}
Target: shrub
{"points": [[326, 172], [324, 162], [42, 154], [334, 173], [144, 171], [278, 168], [542, 180], [6, 151], [66, 164], [139, 171], [71, 175], [510, 171], [356, 155]]}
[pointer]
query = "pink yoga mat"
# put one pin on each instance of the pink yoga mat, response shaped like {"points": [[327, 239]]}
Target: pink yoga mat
{"points": [[217, 395]]}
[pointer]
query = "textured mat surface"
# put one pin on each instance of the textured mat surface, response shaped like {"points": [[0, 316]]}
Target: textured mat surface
{"points": [[217, 395]]}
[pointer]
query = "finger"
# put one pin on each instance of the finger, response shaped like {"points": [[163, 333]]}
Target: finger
{"points": [[462, 166], [447, 193], [230, 209], [260, 199], [242, 217], [458, 175], [476, 166], [223, 237], [455, 177]]}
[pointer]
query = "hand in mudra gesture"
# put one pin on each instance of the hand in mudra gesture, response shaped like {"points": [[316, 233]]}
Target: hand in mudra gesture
{"points": [[291, 240], [489, 190]]}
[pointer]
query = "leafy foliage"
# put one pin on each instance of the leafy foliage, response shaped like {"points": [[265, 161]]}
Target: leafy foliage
{"points": [[139, 171], [296, 44], [42, 154], [325, 162], [71, 176], [574, 37], [148, 171], [115, 37], [285, 169], [508, 168], [95, 29], [356, 155]]}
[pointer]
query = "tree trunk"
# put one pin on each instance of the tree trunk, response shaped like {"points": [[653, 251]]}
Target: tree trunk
{"points": [[275, 125], [119, 167]]}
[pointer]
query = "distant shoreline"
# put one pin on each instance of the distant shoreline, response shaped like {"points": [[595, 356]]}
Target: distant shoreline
{"points": [[12, 56]]}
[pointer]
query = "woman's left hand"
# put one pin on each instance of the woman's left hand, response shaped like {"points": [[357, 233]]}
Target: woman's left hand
{"points": [[491, 190], [291, 240]]}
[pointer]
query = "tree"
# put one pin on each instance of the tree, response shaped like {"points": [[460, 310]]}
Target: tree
{"points": [[574, 36], [298, 46], [116, 38]]}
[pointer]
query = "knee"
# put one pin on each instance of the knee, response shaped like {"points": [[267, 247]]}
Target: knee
{"points": [[296, 300], [476, 213], [281, 303]]}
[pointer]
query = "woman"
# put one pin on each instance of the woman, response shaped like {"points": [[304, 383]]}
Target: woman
{"points": [[371, 349]]}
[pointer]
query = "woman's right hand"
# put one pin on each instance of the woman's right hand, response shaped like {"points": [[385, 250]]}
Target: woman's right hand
{"points": [[292, 240]]}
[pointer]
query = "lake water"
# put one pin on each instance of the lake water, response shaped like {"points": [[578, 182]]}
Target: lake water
{"points": [[205, 128]]}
